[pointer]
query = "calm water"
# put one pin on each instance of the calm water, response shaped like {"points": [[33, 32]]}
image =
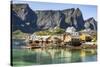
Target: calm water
{"points": [[50, 56]]}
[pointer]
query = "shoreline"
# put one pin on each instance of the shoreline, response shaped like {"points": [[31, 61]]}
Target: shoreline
{"points": [[69, 47]]}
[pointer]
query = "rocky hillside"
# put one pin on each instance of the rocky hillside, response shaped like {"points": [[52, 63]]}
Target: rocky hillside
{"points": [[90, 23], [29, 21]]}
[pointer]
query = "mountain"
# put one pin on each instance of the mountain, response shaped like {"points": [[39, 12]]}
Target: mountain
{"points": [[29, 21], [90, 23], [23, 18]]}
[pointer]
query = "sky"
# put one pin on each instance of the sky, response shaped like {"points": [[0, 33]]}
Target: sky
{"points": [[87, 10]]}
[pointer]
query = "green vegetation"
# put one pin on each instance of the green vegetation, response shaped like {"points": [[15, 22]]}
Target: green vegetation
{"points": [[18, 34], [58, 31], [51, 32], [94, 39]]}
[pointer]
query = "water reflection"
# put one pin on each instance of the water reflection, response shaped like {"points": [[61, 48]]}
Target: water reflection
{"points": [[64, 55], [51, 56]]}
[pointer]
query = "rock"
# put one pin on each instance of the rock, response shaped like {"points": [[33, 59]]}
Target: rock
{"points": [[91, 23], [23, 18], [29, 21]]}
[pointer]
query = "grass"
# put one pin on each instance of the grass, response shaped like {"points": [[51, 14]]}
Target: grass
{"points": [[50, 32]]}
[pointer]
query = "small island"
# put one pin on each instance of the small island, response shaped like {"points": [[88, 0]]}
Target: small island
{"points": [[58, 38]]}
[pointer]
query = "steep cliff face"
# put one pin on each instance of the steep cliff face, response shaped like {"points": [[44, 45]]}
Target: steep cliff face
{"points": [[29, 21], [73, 17], [69, 17], [90, 23], [23, 18], [48, 19]]}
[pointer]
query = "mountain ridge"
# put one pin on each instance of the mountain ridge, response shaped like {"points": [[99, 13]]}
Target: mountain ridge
{"points": [[29, 21]]}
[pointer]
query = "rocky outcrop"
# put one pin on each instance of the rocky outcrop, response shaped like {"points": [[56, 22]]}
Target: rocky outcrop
{"points": [[23, 18], [73, 17], [48, 19], [90, 24], [29, 21]]}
